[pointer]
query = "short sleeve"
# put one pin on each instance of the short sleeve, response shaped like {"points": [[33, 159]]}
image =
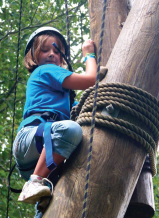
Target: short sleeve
{"points": [[53, 76]]}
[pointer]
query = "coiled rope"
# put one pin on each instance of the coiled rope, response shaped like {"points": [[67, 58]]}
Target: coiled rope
{"points": [[89, 157], [127, 98]]}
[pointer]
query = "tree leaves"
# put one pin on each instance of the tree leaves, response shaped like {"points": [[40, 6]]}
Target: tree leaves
{"points": [[35, 13]]}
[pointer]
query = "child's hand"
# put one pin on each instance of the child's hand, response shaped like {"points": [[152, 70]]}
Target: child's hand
{"points": [[88, 47]]}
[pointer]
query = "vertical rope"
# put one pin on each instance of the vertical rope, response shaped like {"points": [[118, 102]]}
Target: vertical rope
{"points": [[81, 33], [68, 32], [15, 96], [72, 92], [93, 115]]}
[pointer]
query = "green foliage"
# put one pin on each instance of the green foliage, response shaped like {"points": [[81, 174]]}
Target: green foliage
{"points": [[35, 13], [156, 191]]}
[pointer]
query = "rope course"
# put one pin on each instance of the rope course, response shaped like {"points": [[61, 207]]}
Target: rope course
{"points": [[15, 96], [93, 114], [131, 100], [68, 31], [127, 98]]}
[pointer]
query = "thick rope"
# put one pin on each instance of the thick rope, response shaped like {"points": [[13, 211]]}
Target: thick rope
{"points": [[93, 115], [126, 128], [141, 112], [118, 88], [130, 99], [15, 96]]}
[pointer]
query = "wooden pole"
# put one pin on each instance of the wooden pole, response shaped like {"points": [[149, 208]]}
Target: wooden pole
{"points": [[142, 201], [117, 160], [116, 14], [134, 59]]}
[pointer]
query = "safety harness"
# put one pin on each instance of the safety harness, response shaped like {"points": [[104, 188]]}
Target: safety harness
{"points": [[44, 131], [42, 135]]}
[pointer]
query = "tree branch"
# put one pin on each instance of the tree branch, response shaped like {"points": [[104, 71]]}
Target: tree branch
{"points": [[43, 24], [2, 167], [4, 109]]}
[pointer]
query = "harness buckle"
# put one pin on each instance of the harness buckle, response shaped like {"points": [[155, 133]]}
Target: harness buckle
{"points": [[49, 116]]}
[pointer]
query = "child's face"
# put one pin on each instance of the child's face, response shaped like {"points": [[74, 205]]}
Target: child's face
{"points": [[48, 54]]}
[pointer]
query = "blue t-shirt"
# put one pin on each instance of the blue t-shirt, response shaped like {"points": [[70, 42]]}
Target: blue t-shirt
{"points": [[45, 93]]}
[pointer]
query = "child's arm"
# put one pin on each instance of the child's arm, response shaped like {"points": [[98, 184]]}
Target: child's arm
{"points": [[83, 81]]}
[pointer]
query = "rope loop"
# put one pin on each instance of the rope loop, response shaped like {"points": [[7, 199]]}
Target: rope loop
{"points": [[131, 100]]}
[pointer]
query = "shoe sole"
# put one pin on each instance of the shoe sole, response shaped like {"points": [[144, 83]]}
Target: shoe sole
{"points": [[36, 198]]}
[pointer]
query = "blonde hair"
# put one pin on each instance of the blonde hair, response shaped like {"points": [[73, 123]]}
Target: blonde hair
{"points": [[31, 61]]}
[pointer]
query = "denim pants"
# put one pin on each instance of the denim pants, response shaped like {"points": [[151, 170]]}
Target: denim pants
{"points": [[66, 135], [38, 214]]}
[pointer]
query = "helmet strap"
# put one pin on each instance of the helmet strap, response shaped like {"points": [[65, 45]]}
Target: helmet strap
{"points": [[62, 54], [32, 53]]}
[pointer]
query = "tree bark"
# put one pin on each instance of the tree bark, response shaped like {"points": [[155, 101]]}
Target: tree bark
{"points": [[117, 160], [142, 202], [134, 59], [116, 14]]}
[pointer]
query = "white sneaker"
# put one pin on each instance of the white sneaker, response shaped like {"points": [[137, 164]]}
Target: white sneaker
{"points": [[34, 189]]}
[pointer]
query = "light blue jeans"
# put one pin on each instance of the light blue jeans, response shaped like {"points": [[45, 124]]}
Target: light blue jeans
{"points": [[66, 135]]}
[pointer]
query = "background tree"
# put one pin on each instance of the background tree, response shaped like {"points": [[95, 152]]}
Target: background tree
{"points": [[35, 13]]}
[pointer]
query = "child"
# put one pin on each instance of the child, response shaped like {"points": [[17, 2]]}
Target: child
{"points": [[47, 111]]}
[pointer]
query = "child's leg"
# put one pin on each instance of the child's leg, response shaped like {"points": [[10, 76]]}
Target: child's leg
{"points": [[66, 135], [25, 151], [41, 167], [35, 188]]}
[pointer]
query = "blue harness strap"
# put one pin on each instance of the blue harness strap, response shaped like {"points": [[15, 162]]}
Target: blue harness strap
{"points": [[45, 127], [39, 137], [48, 146]]}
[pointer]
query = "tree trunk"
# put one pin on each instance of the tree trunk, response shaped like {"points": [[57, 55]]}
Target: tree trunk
{"points": [[134, 59], [142, 202], [116, 159], [116, 14]]}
